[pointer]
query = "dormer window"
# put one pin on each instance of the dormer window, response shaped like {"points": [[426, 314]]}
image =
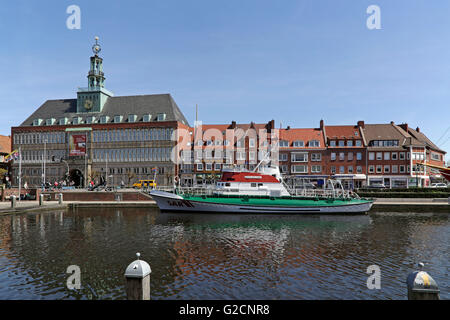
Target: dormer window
{"points": [[62, 121], [90, 120], [76, 120], [314, 143], [161, 117], [104, 119], [131, 118], [284, 144], [37, 122], [49, 122], [298, 144], [118, 119], [147, 118]]}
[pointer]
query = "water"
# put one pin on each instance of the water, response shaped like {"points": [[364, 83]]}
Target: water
{"points": [[206, 256]]}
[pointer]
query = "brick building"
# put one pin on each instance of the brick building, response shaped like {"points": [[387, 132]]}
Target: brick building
{"points": [[98, 136]]}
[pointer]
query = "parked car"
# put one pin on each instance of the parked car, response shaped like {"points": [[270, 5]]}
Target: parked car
{"points": [[438, 185]]}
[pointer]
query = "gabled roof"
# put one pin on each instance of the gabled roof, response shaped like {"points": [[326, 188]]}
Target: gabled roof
{"points": [[303, 134], [343, 132], [5, 144], [139, 105], [424, 139]]}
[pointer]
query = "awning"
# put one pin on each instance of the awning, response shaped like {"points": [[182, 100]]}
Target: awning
{"points": [[350, 176]]}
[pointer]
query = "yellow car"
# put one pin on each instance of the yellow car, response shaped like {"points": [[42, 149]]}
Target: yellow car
{"points": [[145, 184]]}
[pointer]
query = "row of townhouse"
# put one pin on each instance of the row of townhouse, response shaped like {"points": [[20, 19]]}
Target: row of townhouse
{"points": [[358, 155]]}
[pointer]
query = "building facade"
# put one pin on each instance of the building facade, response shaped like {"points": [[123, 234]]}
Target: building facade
{"points": [[98, 137]]}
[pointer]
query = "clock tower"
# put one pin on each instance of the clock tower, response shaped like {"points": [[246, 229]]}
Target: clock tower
{"points": [[93, 98]]}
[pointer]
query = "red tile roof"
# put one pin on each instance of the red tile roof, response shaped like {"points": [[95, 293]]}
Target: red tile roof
{"points": [[342, 132], [5, 144], [304, 134]]}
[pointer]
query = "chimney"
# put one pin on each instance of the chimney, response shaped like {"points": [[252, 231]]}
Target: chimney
{"points": [[270, 125], [417, 129], [288, 127], [252, 125], [361, 124], [392, 122], [404, 126], [321, 124], [233, 124]]}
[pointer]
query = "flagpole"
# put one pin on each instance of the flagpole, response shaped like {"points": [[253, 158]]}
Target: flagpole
{"points": [[20, 170]]}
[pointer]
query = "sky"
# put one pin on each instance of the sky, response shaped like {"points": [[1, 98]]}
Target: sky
{"points": [[294, 61]]}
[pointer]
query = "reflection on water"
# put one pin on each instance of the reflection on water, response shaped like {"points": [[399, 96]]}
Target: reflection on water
{"points": [[207, 256]]}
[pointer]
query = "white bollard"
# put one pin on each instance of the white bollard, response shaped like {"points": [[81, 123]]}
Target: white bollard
{"points": [[137, 277]]}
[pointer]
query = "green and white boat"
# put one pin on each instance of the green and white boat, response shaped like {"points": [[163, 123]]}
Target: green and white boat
{"points": [[260, 192]]}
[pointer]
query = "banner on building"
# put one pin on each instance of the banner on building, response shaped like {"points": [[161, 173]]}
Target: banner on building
{"points": [[77, 145]]}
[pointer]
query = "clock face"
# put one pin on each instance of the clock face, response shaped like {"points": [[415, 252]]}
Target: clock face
{"points": [[88, 104]]}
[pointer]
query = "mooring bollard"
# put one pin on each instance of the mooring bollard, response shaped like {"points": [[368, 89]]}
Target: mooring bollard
{"points": [[60, 198], [137, 277], [41, 199], [13, 201], [421, 286]]}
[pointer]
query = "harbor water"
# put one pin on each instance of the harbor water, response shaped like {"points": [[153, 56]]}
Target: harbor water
{"points": [[212, 256]]}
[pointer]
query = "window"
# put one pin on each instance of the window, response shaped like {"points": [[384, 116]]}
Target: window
{"points": [[358, 156], [332, 143], [208, 166], [104, 119], [284, 144], [379, 155], [316, 157], [199, 166], [387, 155], [299, 157], [333, 169], [161, 117], [394, 156], [358, 169], [252, 155], [147, 118], [435, 156], [402, 156], [76, 120], [402, 169], [358, 143], [371, 169], [349, 143], [341, 156], [283, 157], [90, 120], [387, 169], [350, 169], [251, 143], [395, 169], [379, 169], [333, 156], [341, 169], [350, 156], [217, 166], [316, 169], [341, 143], [371, 155], [314, 143], [299, 169], [117, 119], [240, 155], [298, 144]]}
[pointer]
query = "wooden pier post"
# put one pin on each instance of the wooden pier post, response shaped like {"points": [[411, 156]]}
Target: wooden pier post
{"points": [[41, 199], [60, 198], [137, 277]]}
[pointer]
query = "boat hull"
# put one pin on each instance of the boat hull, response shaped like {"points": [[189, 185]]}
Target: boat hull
{"points": [[176, 203]]}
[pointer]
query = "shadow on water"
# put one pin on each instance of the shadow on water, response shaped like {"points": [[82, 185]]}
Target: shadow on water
{"points": [[219, 256]]}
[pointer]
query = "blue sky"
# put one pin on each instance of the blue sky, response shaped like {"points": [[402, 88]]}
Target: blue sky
{"points": [[293, 61]]}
